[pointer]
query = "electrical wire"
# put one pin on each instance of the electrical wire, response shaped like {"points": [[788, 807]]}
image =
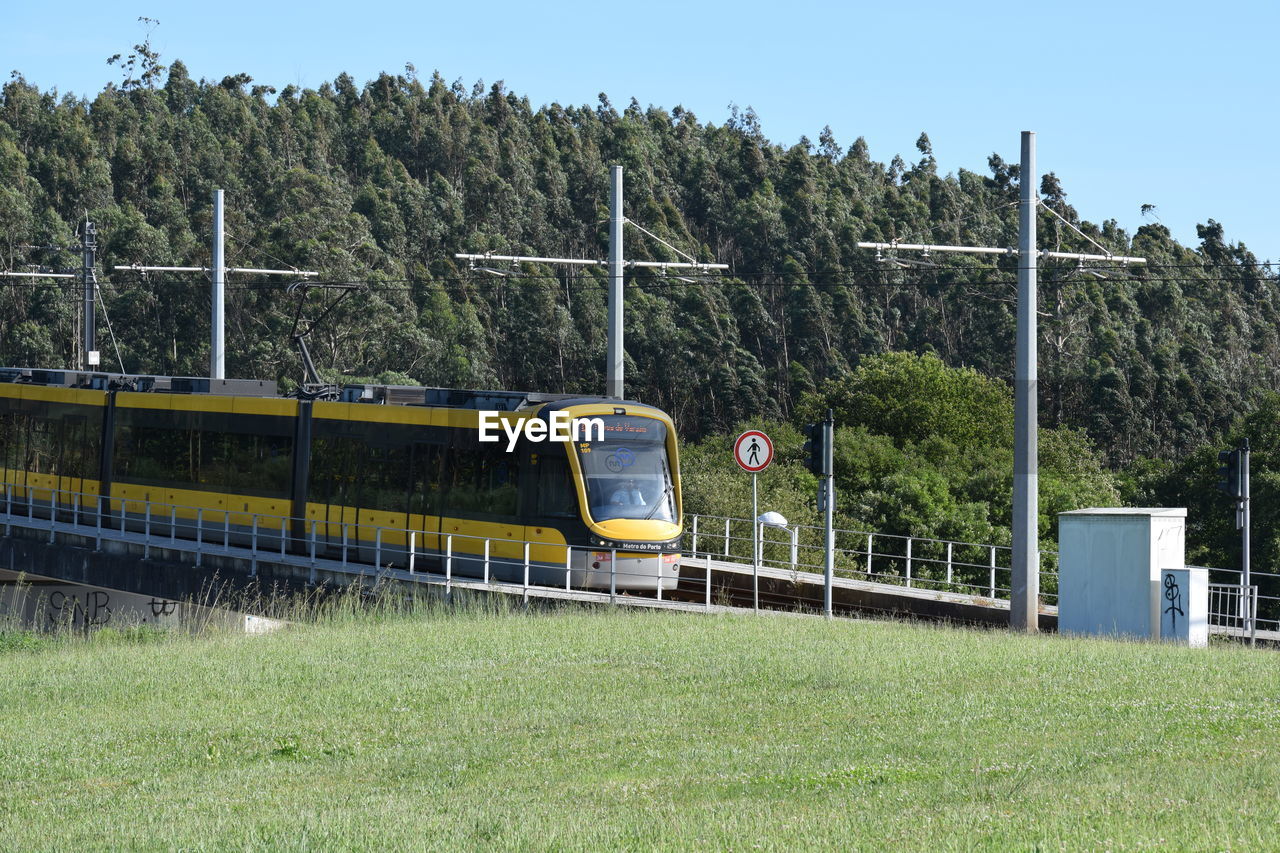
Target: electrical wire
{"points": [[110, 332], [1133, 271], [871, 276], [846, 280]]}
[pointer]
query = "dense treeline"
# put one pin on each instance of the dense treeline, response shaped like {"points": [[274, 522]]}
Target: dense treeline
{"points": [[922, 450], [384, 183]]}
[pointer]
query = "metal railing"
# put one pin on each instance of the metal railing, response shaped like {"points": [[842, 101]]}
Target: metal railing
{"points": [[1268, 605], [1236, 609], [360, 548], [348, 548], [939, 564], [967, 568]]}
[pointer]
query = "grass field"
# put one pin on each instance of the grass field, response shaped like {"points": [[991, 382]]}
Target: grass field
{"points": [[589, 730]]}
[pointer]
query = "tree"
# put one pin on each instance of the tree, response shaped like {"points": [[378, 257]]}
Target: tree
{"points": [[144, 61], [382, 182], [913, 397]]}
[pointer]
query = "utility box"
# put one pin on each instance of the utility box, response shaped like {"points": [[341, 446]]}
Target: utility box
{"points": [[1184, 606], [1111, 570]]}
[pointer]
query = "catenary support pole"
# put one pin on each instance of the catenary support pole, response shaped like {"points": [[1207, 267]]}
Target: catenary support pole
{"points": [[829, 505], [88, 251], [1024, 606], [615, 349], [1245, 579], [614, 378], [217, 364], [217, 272]]}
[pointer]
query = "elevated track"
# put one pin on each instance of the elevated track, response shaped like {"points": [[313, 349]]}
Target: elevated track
{"points": [[83, 548]]}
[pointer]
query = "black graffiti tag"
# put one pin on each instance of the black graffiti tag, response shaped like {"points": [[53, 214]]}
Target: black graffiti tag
{"points": [[160, 607], [1173, 595], [94, 610]]}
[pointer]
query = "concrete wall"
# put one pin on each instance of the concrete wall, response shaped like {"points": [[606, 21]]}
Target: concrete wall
{"points": [[51, 606]]}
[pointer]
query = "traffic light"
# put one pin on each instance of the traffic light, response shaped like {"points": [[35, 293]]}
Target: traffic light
{"points": [[1229, 479], [817, 453]]}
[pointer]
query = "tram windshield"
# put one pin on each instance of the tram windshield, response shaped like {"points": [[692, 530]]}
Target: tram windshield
{"points": [[627, 475]]}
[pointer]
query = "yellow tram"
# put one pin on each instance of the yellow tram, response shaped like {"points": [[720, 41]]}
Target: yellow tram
{"points": [[366, 477]]}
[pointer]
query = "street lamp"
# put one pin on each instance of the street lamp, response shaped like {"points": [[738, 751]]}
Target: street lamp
{"points": [[776, 519]]}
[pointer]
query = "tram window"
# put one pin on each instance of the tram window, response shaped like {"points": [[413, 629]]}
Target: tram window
{"points": [[76, 448], [329, 470], [160, 456], [163, 457], [557, 496], [16, 454], [213, 469], [41, 445], [257, 461], [14, 427], [382, 478], [425, 479], [50, 438], [483, 481], [6, 440], [504, 482], [70, 437], [344, 472], [464, 481], [151, 449], [627, 475]]}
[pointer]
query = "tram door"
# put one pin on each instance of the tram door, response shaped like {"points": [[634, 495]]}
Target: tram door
{"points": [[51, 448], [380, 493], [331, 492], [426, 460]]}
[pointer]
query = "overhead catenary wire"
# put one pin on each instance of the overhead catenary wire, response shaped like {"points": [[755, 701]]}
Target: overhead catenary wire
{"points": [[714, 275], [1073, 228], [891, 278], [110, 333], [970, 274], [929, 248], [643, 230], [8, 274], [721, 273]]}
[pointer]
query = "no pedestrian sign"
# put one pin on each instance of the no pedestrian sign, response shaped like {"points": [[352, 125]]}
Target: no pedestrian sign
{"points": [[753, 451]]}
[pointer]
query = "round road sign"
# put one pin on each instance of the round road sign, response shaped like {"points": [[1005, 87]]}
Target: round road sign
{"points": [[753, 451]]}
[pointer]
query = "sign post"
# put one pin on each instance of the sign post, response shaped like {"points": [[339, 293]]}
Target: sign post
{"points": [[753, 451]]}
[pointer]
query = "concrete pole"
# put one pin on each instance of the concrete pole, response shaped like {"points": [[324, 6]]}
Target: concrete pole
{"points": [[613, 379], [217, 359], [829, 505], [1245, 578], [1024, 604]]}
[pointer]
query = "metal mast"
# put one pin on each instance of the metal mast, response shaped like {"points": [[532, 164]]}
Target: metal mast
{"points": [[1243, 522], [88, 251], [217, 358], [613, 378], [218, 276], [1024, 605], [1024, 597], [615, 352]]}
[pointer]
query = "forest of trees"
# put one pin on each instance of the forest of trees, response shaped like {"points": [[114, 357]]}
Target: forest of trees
{"points": [[381, 184]]}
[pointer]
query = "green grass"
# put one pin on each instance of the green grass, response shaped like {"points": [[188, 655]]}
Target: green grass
{"points": [[589, 730]]}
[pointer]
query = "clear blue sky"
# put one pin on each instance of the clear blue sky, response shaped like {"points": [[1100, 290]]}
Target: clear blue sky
{"points": [[1167, 103]]}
